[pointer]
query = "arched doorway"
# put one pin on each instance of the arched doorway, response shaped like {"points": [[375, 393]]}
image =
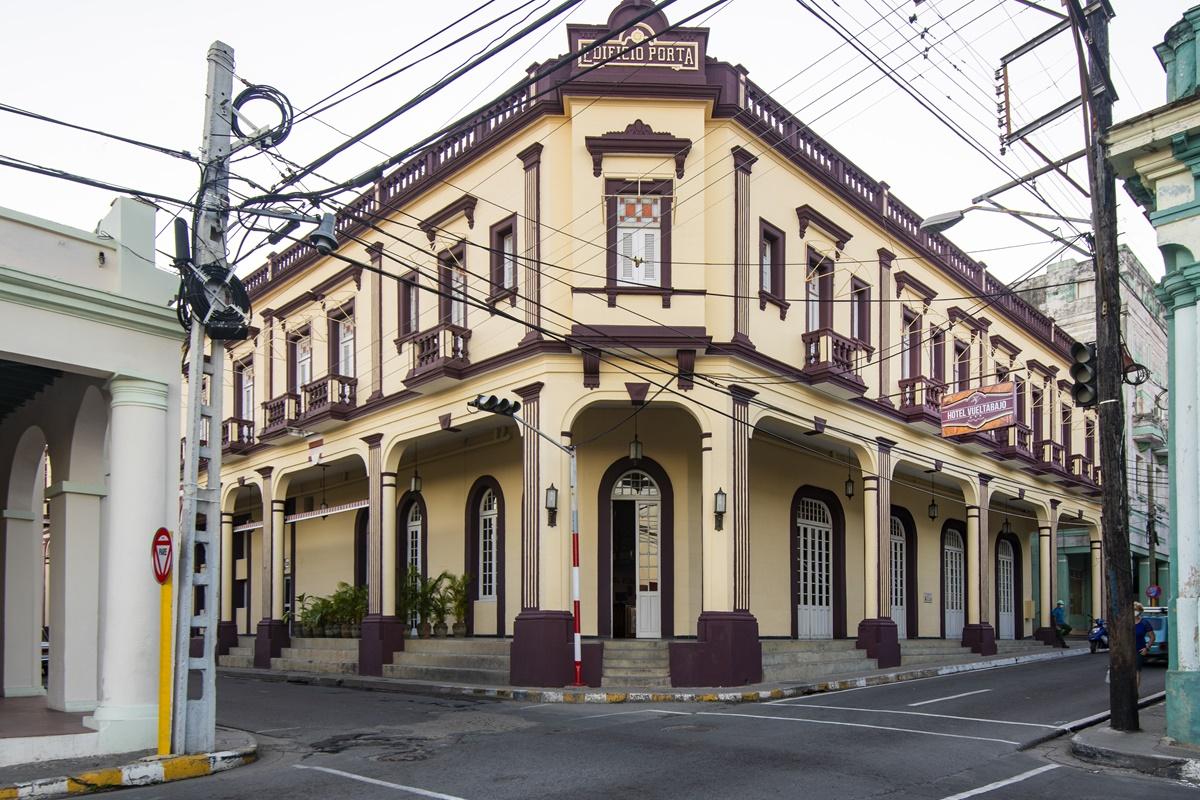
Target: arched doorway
{"points": [[818, 549], [485, 550], [412, 526], [636, 551], [953, 580], [1008, 587]]}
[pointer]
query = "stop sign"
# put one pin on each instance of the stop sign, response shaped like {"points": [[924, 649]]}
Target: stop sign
{"points": [[161, 552]]}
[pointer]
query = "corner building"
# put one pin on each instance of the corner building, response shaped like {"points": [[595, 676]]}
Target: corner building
{"points": [[654, 235]]}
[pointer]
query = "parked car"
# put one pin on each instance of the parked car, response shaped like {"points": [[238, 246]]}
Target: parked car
{"points": [[1157, 617]]}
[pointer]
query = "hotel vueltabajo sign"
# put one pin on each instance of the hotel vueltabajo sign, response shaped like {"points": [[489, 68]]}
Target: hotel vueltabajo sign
{"points": [[638, 48], [982, 409]]}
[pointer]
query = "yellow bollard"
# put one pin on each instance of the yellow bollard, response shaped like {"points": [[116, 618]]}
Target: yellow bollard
{"points": [[165, 673]]}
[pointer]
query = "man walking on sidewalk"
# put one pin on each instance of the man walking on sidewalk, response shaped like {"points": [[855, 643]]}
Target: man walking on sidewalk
{"points": [[1059, 616]]}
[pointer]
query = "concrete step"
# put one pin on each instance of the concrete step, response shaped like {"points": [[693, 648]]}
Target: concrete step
{"points": [[807, 645], [236, 661], [491, 662], [803, 657], [486, 677], [309, 665], [332, 643], [467, 646], [928, 659], [624, 681], [319, 654], [622, 662], [636, 644], [242, 651], [801, 673], [246, 640], [654, 670]]}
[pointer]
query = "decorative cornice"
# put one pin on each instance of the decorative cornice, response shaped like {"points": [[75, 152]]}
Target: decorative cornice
{"points": [[885, 444], [637, 393], [318, 292], [624, 336], [638, 138], [743, 160], [464, 205], [906, 280], [375, 251], [1037, 366], [741, 394], [530, 392], [886, 257], [531, 156], [807, 215], [373, 440], [1005, 345], [265, 471], [956, 314], [75, 487], [131, 391]]}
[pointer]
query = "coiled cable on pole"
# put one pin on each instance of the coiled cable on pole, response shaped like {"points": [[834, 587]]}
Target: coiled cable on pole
{"points": [[273, 136]]}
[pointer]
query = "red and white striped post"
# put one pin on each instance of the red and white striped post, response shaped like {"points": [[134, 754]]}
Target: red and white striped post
{"points": [[575, 568]]}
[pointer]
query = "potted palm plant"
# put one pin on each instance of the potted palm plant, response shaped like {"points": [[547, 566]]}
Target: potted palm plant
{"points": [[304, 614], [358, 610], [428, 599], [408, 596], [456, 600]]}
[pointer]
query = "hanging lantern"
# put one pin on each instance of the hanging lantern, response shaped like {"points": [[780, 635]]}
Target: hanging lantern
{"points": [[849, 477], [933, 506]]}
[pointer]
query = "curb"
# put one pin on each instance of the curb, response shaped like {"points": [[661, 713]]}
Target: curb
{"points": [[1179, 768], [146, 772], [368, 683], [1079, 725]]}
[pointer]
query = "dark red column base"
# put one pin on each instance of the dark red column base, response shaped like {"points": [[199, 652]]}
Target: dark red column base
{"points": [[593, 662], [727, 652], [981, 638], [543, 649], [1049, 637], [881, 639], [269, 640], [381, 637], [227, 637]]}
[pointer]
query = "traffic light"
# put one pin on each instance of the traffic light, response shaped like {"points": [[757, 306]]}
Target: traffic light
{"points": [[495, 405], [1083, 372]]}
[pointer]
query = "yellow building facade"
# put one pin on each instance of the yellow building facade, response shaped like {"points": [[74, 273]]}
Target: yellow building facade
{"points": [[647, 249]]}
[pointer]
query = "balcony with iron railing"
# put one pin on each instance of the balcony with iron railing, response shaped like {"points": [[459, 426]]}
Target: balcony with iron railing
{"points": [[832, 361], [237, 437], [1150, 428], [439, 356], [327, 401], [1081, 468], [279, 414], [921, 400]]}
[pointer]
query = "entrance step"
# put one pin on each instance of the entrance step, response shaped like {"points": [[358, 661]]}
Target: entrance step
{"points": [[468, 660], [635, 664], [789, 660], [336, 656], [1016, 647], [928, 652], [240, 656]]}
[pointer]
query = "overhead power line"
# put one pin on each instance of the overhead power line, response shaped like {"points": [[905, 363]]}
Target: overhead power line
{"points": [[183, 154]]}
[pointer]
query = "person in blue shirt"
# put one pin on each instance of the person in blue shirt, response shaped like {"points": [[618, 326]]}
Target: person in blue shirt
{"points": [[1059, 617], [1143, 636]]}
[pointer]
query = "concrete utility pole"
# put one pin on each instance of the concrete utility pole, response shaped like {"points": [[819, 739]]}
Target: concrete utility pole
{"points": [[1152, 527], [194, 720], [1099, 97]]}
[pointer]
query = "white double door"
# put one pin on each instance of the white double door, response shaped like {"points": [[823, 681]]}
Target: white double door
{"points": [[954, 575], [649, 596], [814, 571], [898, 587], [1005, 590]]}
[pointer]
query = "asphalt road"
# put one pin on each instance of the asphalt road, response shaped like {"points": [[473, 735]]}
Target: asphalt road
{"points": [[937, 738]]}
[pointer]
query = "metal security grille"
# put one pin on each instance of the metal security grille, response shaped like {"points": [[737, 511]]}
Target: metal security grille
{"points": [[487, 546], [814, 595], [898, 587], [413, 558], [1004, 577], [952, 565], [635, 484]]}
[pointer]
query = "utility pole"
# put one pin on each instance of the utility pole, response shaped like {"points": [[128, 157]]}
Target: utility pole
{"points": [[1091, 33], [1152, 524], [199, 561]]}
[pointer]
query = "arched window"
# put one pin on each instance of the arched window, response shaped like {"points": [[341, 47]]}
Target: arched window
{"points": [[413, 529], [487, 546]]}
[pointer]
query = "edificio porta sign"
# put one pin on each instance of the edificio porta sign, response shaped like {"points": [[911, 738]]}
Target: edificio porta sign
{"points": [[637, 49], [982, 409]]}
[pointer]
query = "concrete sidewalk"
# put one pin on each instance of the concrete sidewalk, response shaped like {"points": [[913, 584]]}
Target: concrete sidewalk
{"points": [[741, 694], [1148, 750], [77, 776]]}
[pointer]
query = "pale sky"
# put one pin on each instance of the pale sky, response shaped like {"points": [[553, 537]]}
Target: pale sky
{"points": [[137, 68]]}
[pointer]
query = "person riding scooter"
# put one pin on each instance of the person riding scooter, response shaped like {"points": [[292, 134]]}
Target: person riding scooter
{"points": [[1098, 638]]}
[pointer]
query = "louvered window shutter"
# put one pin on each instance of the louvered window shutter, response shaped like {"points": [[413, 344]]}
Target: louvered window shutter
{"points": [[625, 265], [649, 276]]}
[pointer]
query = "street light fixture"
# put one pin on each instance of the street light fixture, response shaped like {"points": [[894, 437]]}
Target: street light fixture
{"points": [[719, 503], [552, 504], [940, 222]]}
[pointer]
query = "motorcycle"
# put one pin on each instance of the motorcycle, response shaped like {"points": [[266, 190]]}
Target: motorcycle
{"points": [[1098, 638]]}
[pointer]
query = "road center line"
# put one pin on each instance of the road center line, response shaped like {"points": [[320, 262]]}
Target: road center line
{"points": [[999, 784], [386, 784], [638, 711], [856, 725], [951, 697], [927, 714]]}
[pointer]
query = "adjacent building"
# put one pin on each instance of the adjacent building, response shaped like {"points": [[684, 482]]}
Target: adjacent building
{"points": [[89, 399], [1066, 292], [744, 337], [1156, 154]]}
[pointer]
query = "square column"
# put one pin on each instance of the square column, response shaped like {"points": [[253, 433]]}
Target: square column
{"points": [[75, 581], [727, 650], [382, 632], [22, 606], [978, 634], [1046, 632], [542, 652], [272, 635], [877, 632], [227, 636]]}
